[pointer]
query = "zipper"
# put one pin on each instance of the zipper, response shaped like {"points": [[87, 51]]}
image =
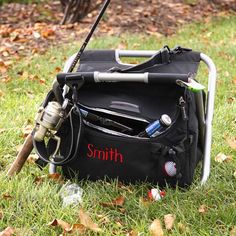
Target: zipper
{"points": [[182, 110], [182, 105], [114, 113]]}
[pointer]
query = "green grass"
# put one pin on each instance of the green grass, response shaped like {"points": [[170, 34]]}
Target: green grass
{"points": [[32, 206]]}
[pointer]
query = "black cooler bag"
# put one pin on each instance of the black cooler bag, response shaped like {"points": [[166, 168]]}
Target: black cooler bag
{"points": [[106, 151]]}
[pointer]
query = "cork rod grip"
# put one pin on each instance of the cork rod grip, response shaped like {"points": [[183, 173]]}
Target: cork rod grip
{"points": [[21, 156]]}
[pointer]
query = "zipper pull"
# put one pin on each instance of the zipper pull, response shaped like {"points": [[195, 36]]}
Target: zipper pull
{"points": [[182, 105]]}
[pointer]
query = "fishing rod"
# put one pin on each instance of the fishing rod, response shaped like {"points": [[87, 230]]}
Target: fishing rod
{"points": [[87, 39], [28, 144], [57, 90]]}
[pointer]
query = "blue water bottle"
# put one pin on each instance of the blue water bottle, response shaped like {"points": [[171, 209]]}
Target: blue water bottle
{"points": [[156, 127]]}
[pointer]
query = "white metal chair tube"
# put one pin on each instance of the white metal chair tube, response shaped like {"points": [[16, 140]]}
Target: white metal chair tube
{"points": [[209, 116]]}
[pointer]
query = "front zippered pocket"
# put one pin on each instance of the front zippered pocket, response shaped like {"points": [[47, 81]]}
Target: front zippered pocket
{"points": [[179, 110]]}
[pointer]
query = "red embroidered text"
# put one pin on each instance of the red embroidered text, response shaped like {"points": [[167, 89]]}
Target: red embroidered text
{"points": [[106, 154]]}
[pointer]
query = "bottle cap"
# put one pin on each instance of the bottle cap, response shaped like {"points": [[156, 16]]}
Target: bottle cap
{"points": [[166, 120]]}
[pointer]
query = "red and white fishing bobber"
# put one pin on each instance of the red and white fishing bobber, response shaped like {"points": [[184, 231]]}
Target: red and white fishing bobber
{"points": [[170, 168], [156, 194]]}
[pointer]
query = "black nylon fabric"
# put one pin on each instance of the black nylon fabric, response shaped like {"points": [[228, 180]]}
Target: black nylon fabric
{"points": [[180, 62], [146, 97], [136, 159], [132, 159]]}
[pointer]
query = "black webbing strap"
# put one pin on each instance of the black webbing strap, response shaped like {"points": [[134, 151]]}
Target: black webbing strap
{"points": [[162, 57]]}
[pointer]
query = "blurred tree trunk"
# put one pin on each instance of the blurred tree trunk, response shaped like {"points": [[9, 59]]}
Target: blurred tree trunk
{"points": [[75, 10]]}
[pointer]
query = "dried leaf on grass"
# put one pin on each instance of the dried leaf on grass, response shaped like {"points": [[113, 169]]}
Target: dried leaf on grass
{"points": [[182, 228], [32, 158], [221, 157], [77, 228], [87, 221], [230, 100], [233, 231], [67, 228], [169, 221], [9, 231], [235, 174], [1, 214], [2, 130], [3, 66], [7, 196], [103, 219], [145, 201], [27, 130], [202, 209], [132, 233], [155, 228], [119, 201], [56, 177], [63, 224], [1, 93], [231, 142]]}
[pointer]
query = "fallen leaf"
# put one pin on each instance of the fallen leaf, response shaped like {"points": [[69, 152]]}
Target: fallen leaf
{"points": [[55, 177], [232, 142], [145, 201], [42, 81], [119, 224], [227, 74], [126, 188], [33, 77], [38, 180], [1, 215], [87, 221], [32, 158], [6, 79], [234, 80], [27, 130], [169, 221], [7, 196], [57, 69], [47, 32], [103, 219], [7, 232], [3, 67], [221, 157], [203, 209], [155, 228], [63, 224], [132, 233], [19, 147], [233, 231], [119, 201], [76, 228], [182, 228], [235, 174], [230, 100], [122, 210], [1, 93], [2, 130], [36, 34]]}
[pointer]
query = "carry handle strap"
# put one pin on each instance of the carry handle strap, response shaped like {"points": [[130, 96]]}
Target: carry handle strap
{"points": [[162, 57]]}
